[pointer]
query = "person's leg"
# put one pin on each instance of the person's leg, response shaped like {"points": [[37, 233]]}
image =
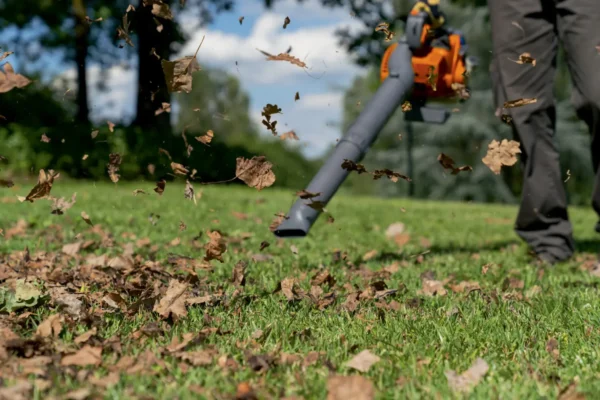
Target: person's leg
{"points": [[579, 27], [528, 26]]}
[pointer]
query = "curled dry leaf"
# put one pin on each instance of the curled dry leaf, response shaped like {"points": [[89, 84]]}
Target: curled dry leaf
{"points": [[9, 80], [160, 186], [255, 172], [461, 91], [111, 126], [305, 194], [123, 31], [519, 102], [501, 154], [448, 163], [173, 302], [42, 189], [297, 96], [267, 112], [215, 247], [139, 191], [391, 175], [279, 218], [59, 206], [241, 19], [45, 138], [432, 78], [468, 379], [406, 106], [286, 22], [160, 9], [178, 73], [350, 165], [86, 218], [207, 138], [289, 135], [525, 58], [179, 169], [5, 54], [114, 162], [165, 107], [94, 134], [50, 327], [284, 57], [363, 361], [384, 27], [189, 191]]}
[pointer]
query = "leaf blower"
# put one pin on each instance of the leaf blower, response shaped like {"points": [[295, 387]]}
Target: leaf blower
{"points": [[428, 63]]}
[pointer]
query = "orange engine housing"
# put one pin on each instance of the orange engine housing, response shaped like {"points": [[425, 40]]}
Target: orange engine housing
{"points": [[448, 65]]}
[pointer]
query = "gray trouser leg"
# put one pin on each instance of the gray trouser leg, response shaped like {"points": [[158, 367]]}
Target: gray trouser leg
{"points": [[542, 220], [579, 28]]}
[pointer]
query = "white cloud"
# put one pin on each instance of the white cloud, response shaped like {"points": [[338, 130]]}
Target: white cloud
{"points": [[321, 100], [316, 46]]}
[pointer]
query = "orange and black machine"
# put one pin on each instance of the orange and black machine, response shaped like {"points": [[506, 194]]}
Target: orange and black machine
{"points": [[428, 64]]}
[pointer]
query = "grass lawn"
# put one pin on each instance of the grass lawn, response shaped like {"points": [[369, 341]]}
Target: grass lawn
{"points": [[158, 324]]}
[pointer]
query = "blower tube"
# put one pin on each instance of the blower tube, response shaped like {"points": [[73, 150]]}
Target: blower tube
{"points": [[354, 144]]}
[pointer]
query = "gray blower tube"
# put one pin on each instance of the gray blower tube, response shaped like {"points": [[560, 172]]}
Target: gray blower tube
{"points": [[355, 143]]}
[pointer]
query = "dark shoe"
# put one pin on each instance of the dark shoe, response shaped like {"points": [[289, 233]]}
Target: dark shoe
{"points": [[545, 258]]}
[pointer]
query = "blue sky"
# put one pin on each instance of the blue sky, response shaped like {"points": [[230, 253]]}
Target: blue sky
{"points": [[311, 34]]}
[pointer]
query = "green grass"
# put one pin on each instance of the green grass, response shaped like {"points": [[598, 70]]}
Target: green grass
{"points": [[417, 342]]}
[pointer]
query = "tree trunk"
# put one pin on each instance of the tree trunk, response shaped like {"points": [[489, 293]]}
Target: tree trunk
{"points": [[82, 30], [152, 89]]}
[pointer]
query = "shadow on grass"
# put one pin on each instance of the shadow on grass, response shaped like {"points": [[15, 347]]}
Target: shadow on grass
{"points": [[588, 245]]}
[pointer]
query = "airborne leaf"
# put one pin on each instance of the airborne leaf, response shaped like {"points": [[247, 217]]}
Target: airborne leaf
{"points": [[519, 102], [255, 172], [501, 154], [178, 73], [448, 163], [284, 57], [43, 187], [9, 80], [114, 162]]}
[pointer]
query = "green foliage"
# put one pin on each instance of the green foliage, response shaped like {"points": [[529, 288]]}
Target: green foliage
{"points": [[26, 294]]}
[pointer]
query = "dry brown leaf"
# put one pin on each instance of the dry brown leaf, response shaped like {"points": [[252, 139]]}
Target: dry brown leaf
{"points": [[267, 113], [255, 172], [468, 379], [173, 302], [87, 355], [350, 165], [7, 183], [384, 27], [241, 19], [239, 273], [215, 247], [525, 58], [161, 10], [369, 255], [9, 80], [72, 249], [432, 78], [85, 157], [123, 31], [114, 162], [570, 392], [519, 102], [501, 154], [297, 96], [178, 73], [284, 57], [21, 390], [94, 133], [50, 327], [59, 206], [165, 107], [354, 387], [448, 163], [304, 194], [5, 54], [431, 288], [197, 358], [42, 189], [160, 186], [552, 348], [111, 126], [363, 361], [207, 138], [286, 22], [391, 175], [84, 337], [279, 218], [86, 218], [289, 135], [406, 106], [189, 192], [179, 169], [45, 138]]}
